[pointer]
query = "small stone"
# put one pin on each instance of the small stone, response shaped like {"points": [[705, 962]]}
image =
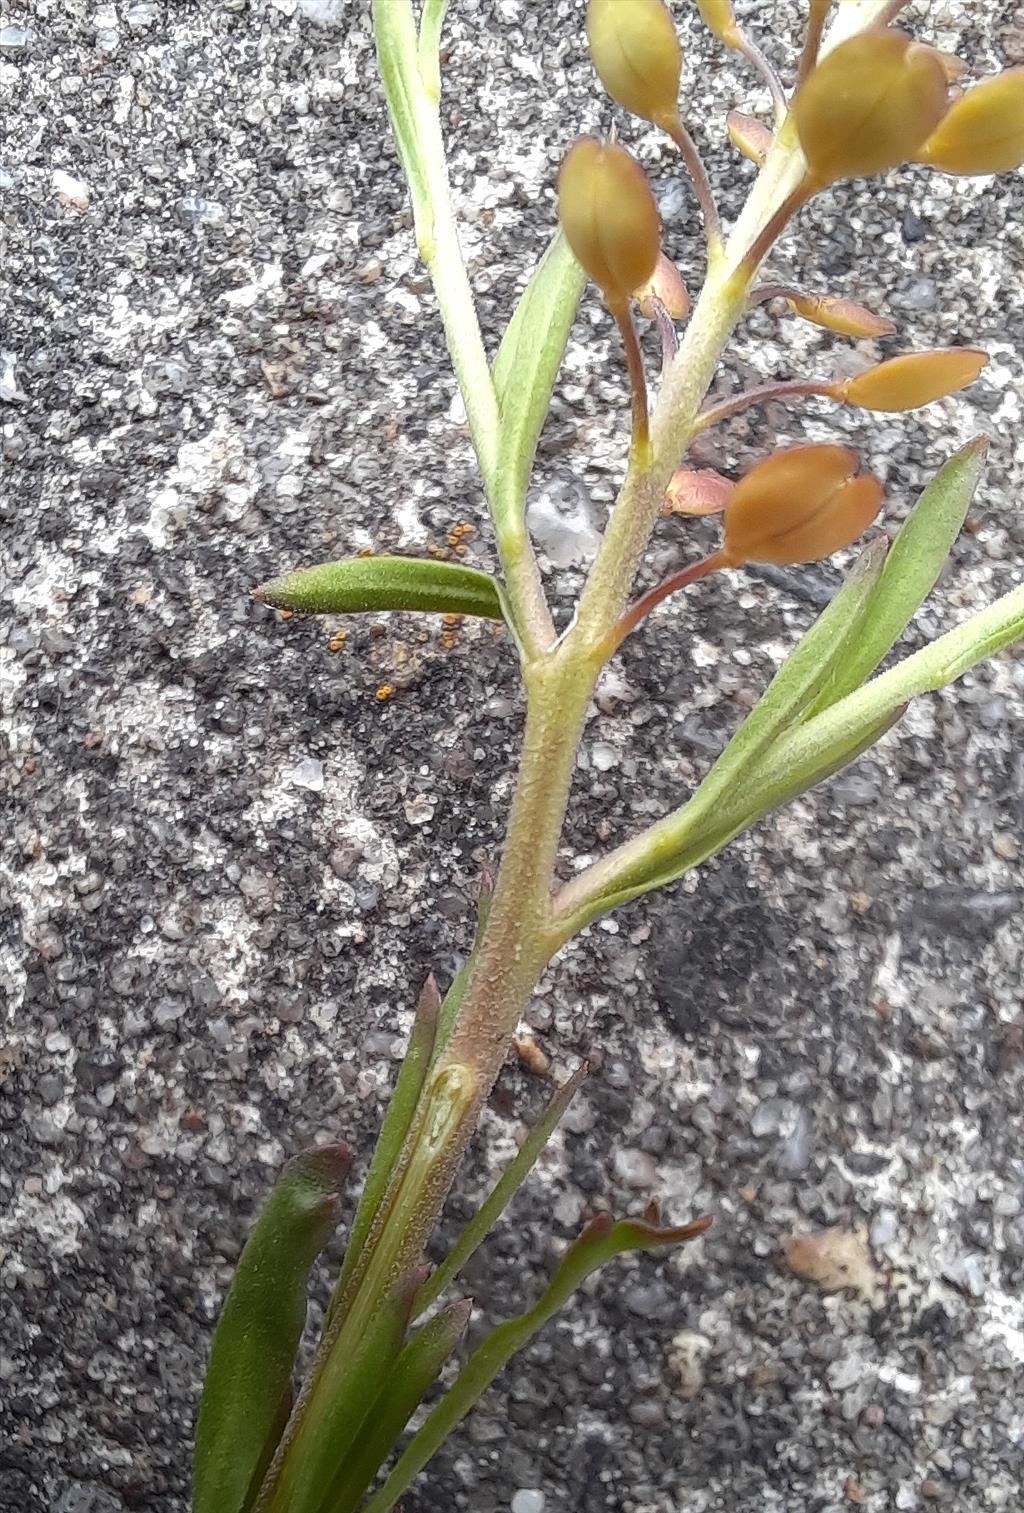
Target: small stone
{"points": [[636, 1169], [89, 882], [308, 774], [527, 1500], [931, 1489], [204, 991], [420, 810], [50, 1090], [48, 941], [70, 190], [168, 1011], [920, 295], [14, 39]]}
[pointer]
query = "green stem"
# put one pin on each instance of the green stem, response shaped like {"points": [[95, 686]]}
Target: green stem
{"points": [[417, 129]]}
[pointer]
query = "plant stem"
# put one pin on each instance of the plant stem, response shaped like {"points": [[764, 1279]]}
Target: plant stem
{"points": [[789, 389], [637, 381], [687, 147], [756, 57], [639, 611], [812, 39], [412, 102]]}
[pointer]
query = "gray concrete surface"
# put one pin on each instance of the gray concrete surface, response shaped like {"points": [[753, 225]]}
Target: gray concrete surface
{"points": [[228, 864]]}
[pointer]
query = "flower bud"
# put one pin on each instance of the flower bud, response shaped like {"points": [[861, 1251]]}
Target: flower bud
{"points": [[841, 315], [869, 104], [915, 379], [749, 136], [609, 217], [636, 52], [720, 18], [799, 505], [984, 131], [665, 287]]}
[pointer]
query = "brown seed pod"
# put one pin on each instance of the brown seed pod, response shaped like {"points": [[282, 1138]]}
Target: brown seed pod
{"points": [[609, 217], [869, 104], [915, 379], [984, 131], [636, 52], [798, 505], [842, 315]]}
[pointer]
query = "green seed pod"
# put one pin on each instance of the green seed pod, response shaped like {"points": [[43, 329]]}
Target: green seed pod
{"points": [[636, 52], [609, 217], [984, 131], [869, 105]]}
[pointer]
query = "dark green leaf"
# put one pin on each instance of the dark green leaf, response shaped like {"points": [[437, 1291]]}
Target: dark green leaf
{"points": [[413, 1374], [357, 585], [336, 1405], [600, 1242], [508, 1184], [397, 1121], [248, 1380]]}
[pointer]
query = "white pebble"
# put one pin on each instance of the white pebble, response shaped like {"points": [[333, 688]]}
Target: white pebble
{"points": [[528, 1501]]}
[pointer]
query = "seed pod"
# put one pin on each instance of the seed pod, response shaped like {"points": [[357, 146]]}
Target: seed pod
{"points": [[609, 217], [915, 379], [749, 136], [720, 18], [665, 287], [799, 505], [636, 52], [841, 315], [984, 131], [868, 105]]}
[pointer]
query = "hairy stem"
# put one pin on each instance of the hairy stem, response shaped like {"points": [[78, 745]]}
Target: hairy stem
{"points": [[637, 380], [795, 388], [639, 611], [812, 39], [702, 184]]}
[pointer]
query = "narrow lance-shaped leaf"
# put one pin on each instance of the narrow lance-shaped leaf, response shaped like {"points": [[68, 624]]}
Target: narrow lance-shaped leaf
{"points": [[413, 1374], [508, 1184], [343, 1395], [401, 1110], [804, 756], [525, 370], [601, 1241], [248, 1380], [397, 56], [790, 691], [915, 560], [359, 585]]}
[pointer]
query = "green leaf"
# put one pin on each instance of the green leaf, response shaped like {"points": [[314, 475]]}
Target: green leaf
{"points": [[397, 57], [495, 1204], [358, 585], [413, 1374], [525, 370], [247, 1391], [401, 1110], [916, 558], [431, 22], [803, 757], [601, 1241], [342, 1396]]}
